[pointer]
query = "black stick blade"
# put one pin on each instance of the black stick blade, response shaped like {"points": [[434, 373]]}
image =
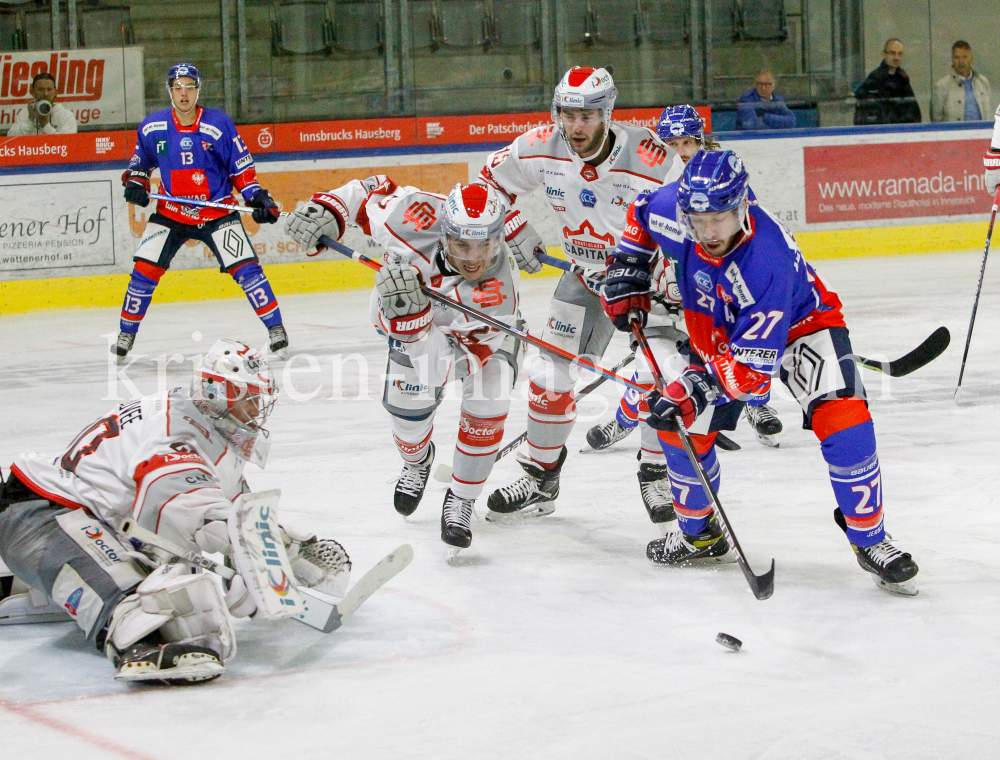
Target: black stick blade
{"points": [[761, 585], [922, 355]]}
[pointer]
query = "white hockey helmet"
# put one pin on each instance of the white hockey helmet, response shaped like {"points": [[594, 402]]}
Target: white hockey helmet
{"points": [[473, 218], [234, 386], [585, 87]]}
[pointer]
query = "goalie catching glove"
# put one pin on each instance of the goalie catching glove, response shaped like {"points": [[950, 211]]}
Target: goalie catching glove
{"points": [[686, 397], [318, 217], [523, 242], [402, 302]]}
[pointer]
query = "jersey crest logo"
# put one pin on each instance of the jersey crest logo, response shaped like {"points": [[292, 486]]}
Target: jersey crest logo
{"points": [[703, 281], [588, 172], [161, 147], [206, 145], [421, 214], [198, 178], [186, 143], [650, 153], [489, 293], [541, 134], [587, 197]]}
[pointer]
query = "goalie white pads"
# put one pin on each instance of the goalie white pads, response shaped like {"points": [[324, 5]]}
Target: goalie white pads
{"points": [[258, 553]]}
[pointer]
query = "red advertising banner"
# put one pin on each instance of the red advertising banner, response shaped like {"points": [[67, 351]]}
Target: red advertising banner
{"points": [[488, 128], [345, 135], [846, 183], [65, 149]]}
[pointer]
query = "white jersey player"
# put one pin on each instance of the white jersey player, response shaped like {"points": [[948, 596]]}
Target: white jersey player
{"points": [[453, 245], [591, 169], [174, 463], [992, 158]]}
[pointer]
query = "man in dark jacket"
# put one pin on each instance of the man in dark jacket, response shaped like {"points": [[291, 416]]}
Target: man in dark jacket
{"points": [[886, 97]]}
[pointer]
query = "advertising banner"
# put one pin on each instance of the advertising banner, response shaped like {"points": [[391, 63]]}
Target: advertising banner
{"points": [[100, 85], [845, 183], [56, 225]]}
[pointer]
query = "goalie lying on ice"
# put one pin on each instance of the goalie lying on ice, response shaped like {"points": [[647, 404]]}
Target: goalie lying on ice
{"points": [[173, 462]]}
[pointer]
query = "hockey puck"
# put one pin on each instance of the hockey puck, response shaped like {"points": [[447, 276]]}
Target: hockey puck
{"points": [[729, 642]]}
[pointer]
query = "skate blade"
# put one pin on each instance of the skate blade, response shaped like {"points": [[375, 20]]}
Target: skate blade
{"points": [[443, 473], [281, 354], [451, 553], [192, 674], [907, 588], [768, 440], [540, 509]]}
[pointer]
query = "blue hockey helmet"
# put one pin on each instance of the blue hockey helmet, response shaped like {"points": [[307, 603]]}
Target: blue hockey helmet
{"points": [[713, 181], [184, 70], [680, 121]]}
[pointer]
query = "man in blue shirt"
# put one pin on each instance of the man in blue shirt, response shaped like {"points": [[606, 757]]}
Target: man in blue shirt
{"points": [[762, 108], [200, 156]]}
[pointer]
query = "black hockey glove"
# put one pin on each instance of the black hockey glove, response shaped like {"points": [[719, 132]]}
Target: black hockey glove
{"points": [[265, 210], [687, 397], [136, 182], [627, 288]]}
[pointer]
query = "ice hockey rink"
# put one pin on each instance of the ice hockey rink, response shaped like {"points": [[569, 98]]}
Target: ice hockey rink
{"points": [[558, 639]]}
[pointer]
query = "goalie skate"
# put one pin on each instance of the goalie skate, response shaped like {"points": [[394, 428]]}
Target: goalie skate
{"points": [[172, 664]]}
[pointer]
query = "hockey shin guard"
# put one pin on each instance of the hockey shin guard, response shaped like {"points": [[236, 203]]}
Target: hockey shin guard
{"points": [[690, 502], [412, 437], [551, 415], [847, 437], [475, 452], [628, 409], [254, 282], [139, 294]]}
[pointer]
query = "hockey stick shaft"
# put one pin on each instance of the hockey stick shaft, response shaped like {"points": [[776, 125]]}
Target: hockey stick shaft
{"points": [[979, 287], [496, 324], [129, 528], [205, 204], [761, 585]]}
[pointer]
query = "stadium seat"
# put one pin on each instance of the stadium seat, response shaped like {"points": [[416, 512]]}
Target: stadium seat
{"points": [[106, 26], [667, 21], [301, 27], [11, 36], [759, 20], [608, 22], [359, 26]]}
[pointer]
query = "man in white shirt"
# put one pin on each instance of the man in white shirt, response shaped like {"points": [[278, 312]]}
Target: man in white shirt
{"points": [[43, 116]]}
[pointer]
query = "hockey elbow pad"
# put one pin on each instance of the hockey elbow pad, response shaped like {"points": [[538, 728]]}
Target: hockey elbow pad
{"points": [[992, 163]]}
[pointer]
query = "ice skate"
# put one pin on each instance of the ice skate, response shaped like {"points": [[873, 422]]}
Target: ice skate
{"points": [[602, 436], [277, 340], [411, 484], [456, 528], [172, 664], [531, 495], [765, 424], [676, 548], [656, 495], [123, 345], [892, 569]]}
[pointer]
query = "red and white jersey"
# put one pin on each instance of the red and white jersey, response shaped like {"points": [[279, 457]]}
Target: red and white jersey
{"points": [[157, 459], [406, 222], [590, 202]]}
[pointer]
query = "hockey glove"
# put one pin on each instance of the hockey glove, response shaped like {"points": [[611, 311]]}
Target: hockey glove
{"points": [[992, 163], [402, 302], [314, 220], [319, 564], [136, 182], [523, 242], [265, 210], [688, 397], [626, 288]]}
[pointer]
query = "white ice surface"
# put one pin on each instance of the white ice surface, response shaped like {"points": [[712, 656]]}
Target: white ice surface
{"points": [[558, 639]]}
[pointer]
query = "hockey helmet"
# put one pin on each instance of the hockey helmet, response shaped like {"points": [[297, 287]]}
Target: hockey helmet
{"points": [[585, 88], [713, 182], [188, 70], [680, 121], [472, 228]]}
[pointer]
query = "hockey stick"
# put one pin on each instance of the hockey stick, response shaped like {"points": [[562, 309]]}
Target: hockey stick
{"points": [[496, 324], [206, 204], [761, 585], [979, 287], [317, 613], [443, 472]]}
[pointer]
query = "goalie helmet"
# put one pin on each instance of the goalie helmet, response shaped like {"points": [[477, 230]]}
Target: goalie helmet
{"points": [[713, 181], [681, 121], [586, 88], [473, 218], [235, 388]]}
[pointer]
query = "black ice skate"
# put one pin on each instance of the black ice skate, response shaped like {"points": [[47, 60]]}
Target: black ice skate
{"points": [[676, 548], [456, 528], [172, 664], [411, 484], [656, 495], [765, 424], [601, 436], [531, 495], [892, 569], [277, 340], [123, 345]]}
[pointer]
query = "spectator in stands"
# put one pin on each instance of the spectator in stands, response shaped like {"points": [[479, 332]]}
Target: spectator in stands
{"points": [[964, 94], [58, 121], [762, 108], [886, 97]]}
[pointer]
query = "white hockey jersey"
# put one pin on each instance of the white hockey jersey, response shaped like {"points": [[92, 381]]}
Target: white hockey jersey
{"points": [[590, 203], [157, 459], [406, 222]]}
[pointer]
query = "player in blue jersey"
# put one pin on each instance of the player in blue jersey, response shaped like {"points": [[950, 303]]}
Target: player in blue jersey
{"points": [[753, 308], [683, 129], [200, 155]]}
